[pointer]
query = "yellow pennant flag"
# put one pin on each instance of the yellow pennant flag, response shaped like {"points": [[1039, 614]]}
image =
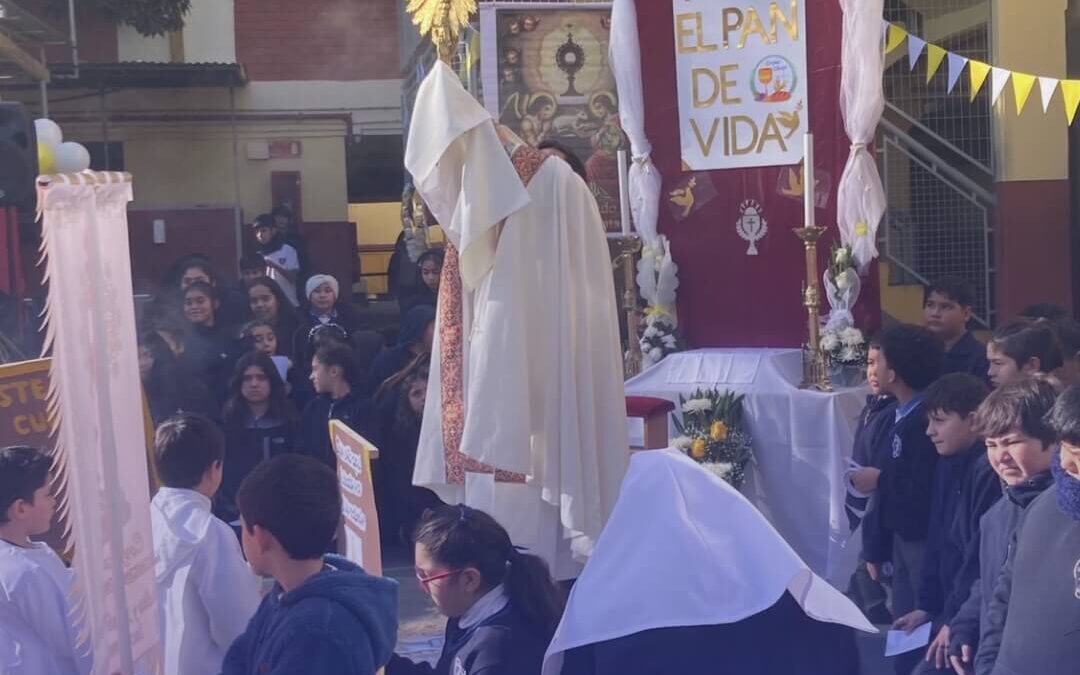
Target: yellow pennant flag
{"points": [[895, 38], [1070, 92], [934, 56], [978, 72], [1022, 84]]}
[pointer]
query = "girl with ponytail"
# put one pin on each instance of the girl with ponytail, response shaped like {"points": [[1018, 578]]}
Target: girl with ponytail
{"points": [[502, 604]]}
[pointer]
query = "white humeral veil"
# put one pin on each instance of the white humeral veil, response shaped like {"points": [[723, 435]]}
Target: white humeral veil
{"points": [[860, 199], [684, 548], [96, 402], [543, 386]]}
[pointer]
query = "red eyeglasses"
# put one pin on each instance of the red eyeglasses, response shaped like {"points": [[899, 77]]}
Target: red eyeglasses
{"points": [[424, 581]]}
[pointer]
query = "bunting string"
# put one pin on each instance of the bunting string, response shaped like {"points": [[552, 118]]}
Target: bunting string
{"points": [[978, 72]]}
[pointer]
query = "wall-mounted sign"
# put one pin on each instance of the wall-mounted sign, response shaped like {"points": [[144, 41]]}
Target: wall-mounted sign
{"points": [[742, 82]]}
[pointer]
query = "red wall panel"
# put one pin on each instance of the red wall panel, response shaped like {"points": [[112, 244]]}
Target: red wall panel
{"points": [[727, 298]]}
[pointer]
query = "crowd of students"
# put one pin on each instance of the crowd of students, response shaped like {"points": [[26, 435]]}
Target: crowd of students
{"points": [[973, 522], [967, 487], [272, 365]]}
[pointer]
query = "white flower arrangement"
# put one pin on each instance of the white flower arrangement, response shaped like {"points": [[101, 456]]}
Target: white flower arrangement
{"points": [[844, 346], [682, 442], [723, 470], [658, 340], [697, 405], [852, 337], [711, 433]]}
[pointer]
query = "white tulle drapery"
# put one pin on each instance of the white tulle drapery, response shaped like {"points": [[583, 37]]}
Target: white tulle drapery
{"points": [[657, 273], [841, 296], [861, 197], [95, 399]]}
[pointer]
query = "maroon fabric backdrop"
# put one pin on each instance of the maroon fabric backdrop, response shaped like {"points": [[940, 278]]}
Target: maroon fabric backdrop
{"points": [[727, 298]]}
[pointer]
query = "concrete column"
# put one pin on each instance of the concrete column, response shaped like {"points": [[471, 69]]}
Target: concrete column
{"points": [[1033, 234]]}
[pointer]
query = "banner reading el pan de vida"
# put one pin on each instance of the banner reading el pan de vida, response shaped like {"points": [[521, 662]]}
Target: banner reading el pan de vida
{"points": [[360, 540], [741, 69]]}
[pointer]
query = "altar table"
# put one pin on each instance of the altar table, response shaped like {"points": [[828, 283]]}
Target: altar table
{"points": [[802, 441]]}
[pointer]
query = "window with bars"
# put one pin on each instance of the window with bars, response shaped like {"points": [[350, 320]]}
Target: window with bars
{"points": [[935, 153], [950, 119]]}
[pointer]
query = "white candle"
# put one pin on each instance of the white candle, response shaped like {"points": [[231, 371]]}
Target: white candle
{"points": [[624, 194], [808, 180]]}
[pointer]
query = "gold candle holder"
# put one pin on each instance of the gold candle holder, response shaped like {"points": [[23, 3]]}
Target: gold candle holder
{"points": [[627, 247], [815, 372]]}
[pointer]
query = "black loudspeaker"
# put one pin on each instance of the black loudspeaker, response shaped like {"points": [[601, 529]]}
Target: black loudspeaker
{"points": [[18, 156]]}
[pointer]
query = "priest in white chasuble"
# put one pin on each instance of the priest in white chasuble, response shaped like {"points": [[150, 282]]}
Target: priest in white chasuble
{"points": [[526, 414]]}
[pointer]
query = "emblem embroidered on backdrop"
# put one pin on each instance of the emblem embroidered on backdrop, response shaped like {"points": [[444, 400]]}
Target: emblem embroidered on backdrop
{"points": [[751, 225]]}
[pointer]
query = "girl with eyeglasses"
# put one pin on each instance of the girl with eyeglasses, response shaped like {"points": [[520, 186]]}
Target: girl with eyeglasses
{"points": [[502, 604]]}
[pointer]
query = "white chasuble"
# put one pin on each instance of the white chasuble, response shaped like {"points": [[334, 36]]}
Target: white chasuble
{"points": [[539, 438]]}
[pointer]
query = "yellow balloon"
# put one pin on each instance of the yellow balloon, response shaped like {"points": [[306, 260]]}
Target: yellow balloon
{"points": [[46, 161]]}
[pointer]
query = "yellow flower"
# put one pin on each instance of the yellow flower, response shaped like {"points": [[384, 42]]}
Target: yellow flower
{"points": [[719, 431], [697, 448]]}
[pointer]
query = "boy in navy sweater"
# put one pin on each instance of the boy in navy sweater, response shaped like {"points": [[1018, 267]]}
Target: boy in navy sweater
{"points": [[947, 309], [964, 488], [903, 361], [1018, 443], [875, 424], [324, 614]]}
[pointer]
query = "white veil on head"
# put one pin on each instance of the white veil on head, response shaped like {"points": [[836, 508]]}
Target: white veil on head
{"points": [[684, 548]]}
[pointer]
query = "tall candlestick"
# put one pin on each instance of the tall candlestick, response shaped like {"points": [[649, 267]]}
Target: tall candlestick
{"points": [[809, 186], [624, 194]]}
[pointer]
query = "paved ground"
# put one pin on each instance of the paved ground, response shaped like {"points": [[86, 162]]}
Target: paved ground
{"points": [[421, 627]]}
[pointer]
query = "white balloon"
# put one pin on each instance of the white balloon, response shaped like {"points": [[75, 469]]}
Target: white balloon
{"points": [[48, 132], [71, 157]]}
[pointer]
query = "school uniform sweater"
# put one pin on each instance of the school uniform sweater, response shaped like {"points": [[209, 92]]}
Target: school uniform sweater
{"points": [[907, 460], [968, 355], [964, 488], [314, 436], [996, 530], [874, 426], [246, 446], [1038, 593], [502, 643]]}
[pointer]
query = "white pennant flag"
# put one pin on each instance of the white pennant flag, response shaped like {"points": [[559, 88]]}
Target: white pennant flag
{"points": [[957, 64], [1047, 86], [915, 47], [999, 77]]}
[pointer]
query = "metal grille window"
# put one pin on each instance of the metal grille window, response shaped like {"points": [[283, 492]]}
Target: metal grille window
{"points": [[938, 222], [959, 26], [935, 153]]}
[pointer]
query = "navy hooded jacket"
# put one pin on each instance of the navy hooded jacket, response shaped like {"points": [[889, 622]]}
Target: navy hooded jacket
{"points": [[339, 622]]}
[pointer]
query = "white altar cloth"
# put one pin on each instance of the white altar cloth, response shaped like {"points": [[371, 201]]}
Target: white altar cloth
{"points": [[802, 442]]}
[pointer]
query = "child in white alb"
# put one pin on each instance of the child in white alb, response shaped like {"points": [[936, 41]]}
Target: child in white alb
{"points": [[207, 592], [37, 634]]}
